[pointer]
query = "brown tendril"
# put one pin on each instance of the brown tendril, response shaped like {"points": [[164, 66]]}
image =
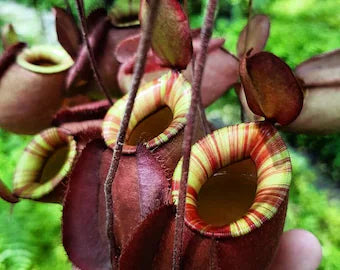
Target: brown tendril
{"points": [[93, 63], [188, 132], [250, 7], [142, 50]]}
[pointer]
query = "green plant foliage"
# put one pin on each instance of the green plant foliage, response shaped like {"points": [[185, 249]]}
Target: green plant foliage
{"points": [[30, 237], [324, 152], [225, 111], [30, 231], [47, 5], [310, 209]]}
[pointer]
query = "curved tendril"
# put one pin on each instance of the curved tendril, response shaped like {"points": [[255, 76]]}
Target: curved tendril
{"points": [[93, 63], [142, 50], [188, 132]]}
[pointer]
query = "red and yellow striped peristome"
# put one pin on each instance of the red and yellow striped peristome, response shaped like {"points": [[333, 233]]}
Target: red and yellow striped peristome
{"points": [[170, 90], [259, 141], [26, 181]]}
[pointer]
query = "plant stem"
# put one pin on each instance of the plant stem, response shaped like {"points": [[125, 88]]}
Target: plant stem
{"points": [[188, 132], [142, 50], [94, 67], [250, 6], [203, 118], [200, 108]]}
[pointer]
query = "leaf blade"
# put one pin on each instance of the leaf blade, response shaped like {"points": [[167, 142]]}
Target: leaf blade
{"points": [[320, 113], [258, 32], [83, 229], [171, 36], [271, 88], [323, 69], [67, 31]]}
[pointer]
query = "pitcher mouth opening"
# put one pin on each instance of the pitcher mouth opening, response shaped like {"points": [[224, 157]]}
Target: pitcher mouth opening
{"points": [[232, 187], [46, 161], [158, 115], [44, 59], [254, 149]]}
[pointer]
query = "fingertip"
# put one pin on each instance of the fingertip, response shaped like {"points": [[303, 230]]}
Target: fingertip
{"points": [[298, 249]]}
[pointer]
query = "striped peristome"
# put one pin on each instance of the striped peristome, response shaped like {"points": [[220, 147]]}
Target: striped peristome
{"points": [[170, 90], [259, 141], [26, 181]]}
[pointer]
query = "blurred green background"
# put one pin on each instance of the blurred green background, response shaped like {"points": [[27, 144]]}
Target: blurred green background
{"points": [[30, 232]]}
